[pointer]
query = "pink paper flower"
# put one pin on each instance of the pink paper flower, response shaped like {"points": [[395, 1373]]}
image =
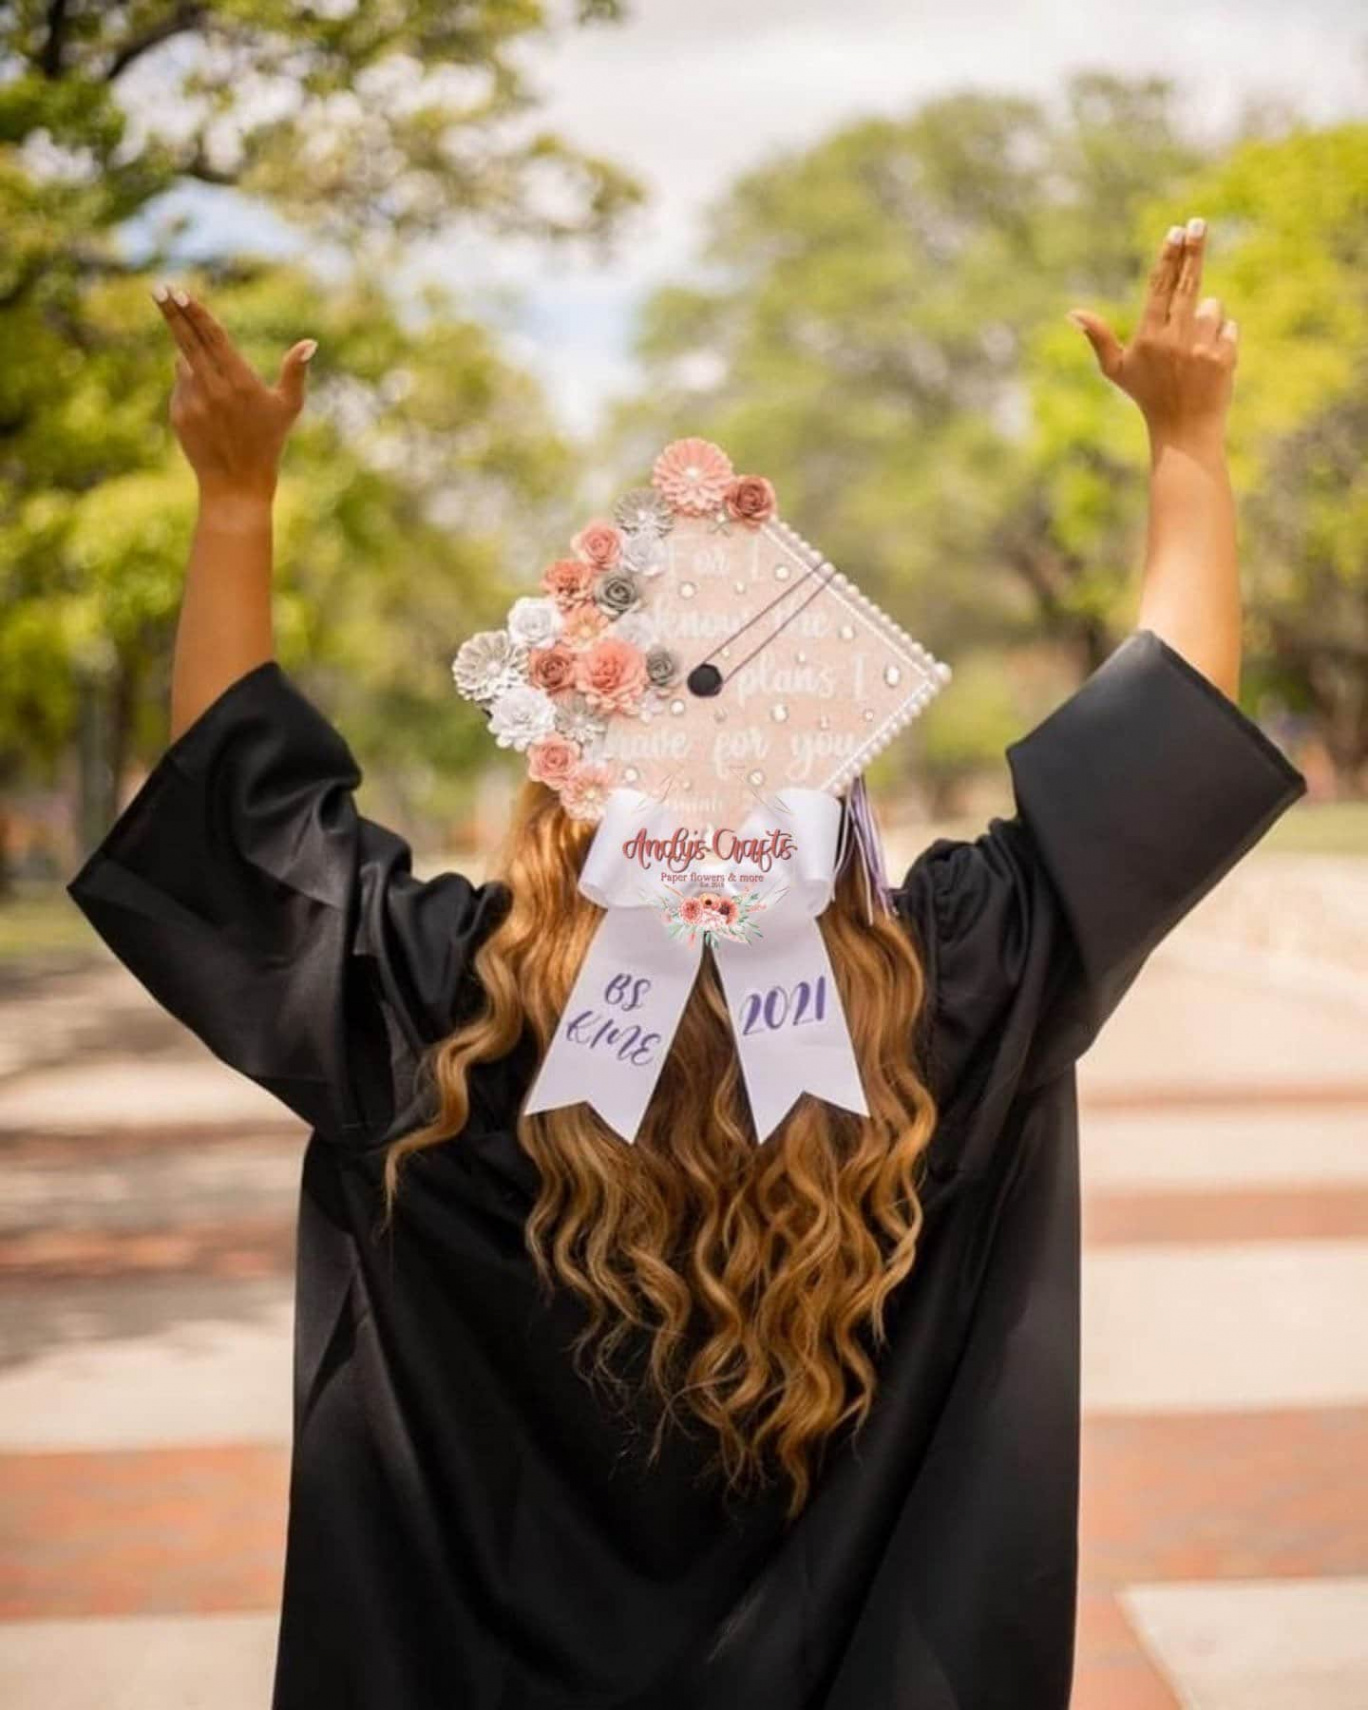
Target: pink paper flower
{"points": [[598, 543], [726, 909], [584, 794], [569, 581], [552, 668], [692, 475], [552, 760], [611, 675], [690, 911], [750, 500], [583, 625]]}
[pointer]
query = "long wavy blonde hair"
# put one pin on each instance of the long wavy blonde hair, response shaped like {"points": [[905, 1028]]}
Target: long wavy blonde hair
{"points": [[759, 1275]]}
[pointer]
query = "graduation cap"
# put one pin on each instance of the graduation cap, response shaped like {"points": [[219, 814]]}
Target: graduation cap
{"points": [[695, 648], [694, 675]]}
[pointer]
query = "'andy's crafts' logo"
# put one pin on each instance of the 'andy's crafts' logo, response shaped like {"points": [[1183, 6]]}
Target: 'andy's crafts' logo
{"points": [[715, 888]]}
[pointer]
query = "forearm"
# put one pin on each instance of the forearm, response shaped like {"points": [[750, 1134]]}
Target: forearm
{"points": [[224, 628], [1190, 595]]}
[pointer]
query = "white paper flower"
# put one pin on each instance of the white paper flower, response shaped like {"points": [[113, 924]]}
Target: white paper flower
{"points": [[488, 665], [643, 553], [522, 716], [535, 622], [636, 627]]}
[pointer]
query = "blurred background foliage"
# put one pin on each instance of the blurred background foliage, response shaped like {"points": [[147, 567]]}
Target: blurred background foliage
{"points": [[879, 325], [876, 322]]}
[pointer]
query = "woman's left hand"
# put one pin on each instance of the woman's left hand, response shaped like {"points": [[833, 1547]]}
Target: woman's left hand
{"points": [[1180, 364]]}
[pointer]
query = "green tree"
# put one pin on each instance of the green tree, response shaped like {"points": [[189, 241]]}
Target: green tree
{"points": [[865, 334], [424, 456], [879, 325]]}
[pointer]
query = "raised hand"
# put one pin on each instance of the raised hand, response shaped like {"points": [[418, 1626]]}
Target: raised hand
{"points": [[230, 424], [1180, 363]]}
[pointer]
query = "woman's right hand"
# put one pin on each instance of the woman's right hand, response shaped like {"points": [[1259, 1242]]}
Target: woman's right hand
{"points": [[230, 424], [1179, 366]]}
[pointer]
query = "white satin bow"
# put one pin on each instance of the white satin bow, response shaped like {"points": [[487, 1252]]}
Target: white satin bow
{"points": [[615, 1032]]}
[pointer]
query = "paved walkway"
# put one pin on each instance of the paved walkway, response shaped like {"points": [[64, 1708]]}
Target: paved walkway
{"points": [[146, 1244]]}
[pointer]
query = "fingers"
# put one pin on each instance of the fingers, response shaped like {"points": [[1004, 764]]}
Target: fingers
{"points": [[200, 338], [215, 340], [1183, 303], [1106, 345], [292, 370], [187, 342], [1163, 277], [1207, 321]]}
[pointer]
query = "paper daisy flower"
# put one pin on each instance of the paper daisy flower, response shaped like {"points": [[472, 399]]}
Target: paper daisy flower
{"points": [[488, 665], [693, 475]]}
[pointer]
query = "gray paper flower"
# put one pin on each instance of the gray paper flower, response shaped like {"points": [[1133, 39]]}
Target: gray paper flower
{"points": [[661, 667], [576, 719], [488, 665], [643, 510], [616, 592]]}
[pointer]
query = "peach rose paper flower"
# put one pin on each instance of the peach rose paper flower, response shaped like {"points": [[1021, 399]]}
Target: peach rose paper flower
{"points": [[569, 581], [552, 669], [552, 760], [693, 475], [598, 543], [750, 500], [611, 675]]}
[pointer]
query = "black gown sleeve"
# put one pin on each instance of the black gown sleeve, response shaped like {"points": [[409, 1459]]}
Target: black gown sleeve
{"points": [[243, 889], [1133, 799]]}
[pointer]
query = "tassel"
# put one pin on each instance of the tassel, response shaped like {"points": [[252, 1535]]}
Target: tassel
{"points": [[860, 836]]}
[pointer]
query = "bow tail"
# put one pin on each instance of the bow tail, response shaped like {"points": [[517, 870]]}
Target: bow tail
{"points": [[616, 1029], [789, 1022]]}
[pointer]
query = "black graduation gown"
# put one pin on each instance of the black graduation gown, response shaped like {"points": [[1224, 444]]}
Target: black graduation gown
{"points": [[467, 1525]]}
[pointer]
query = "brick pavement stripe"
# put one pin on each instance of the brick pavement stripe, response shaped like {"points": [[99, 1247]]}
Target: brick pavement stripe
{"points": [[1228, 1496], [158, 1532], [1237, 1214], [1112, 1669], [210, 1662], [264, 1246], [1260, 1496], [1290, 1644], [195, 1530]]}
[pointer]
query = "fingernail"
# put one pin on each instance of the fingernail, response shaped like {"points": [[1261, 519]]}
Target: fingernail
{"points": [[159, 292], [1175, 235], [1196, 227], [310, 346], [180, 296]]}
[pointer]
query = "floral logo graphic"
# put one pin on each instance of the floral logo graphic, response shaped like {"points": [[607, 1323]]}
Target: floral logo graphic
{"points": [[714, 914]]}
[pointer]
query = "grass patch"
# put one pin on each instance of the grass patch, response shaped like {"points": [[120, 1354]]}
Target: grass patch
{"points": [[41, 921]]}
